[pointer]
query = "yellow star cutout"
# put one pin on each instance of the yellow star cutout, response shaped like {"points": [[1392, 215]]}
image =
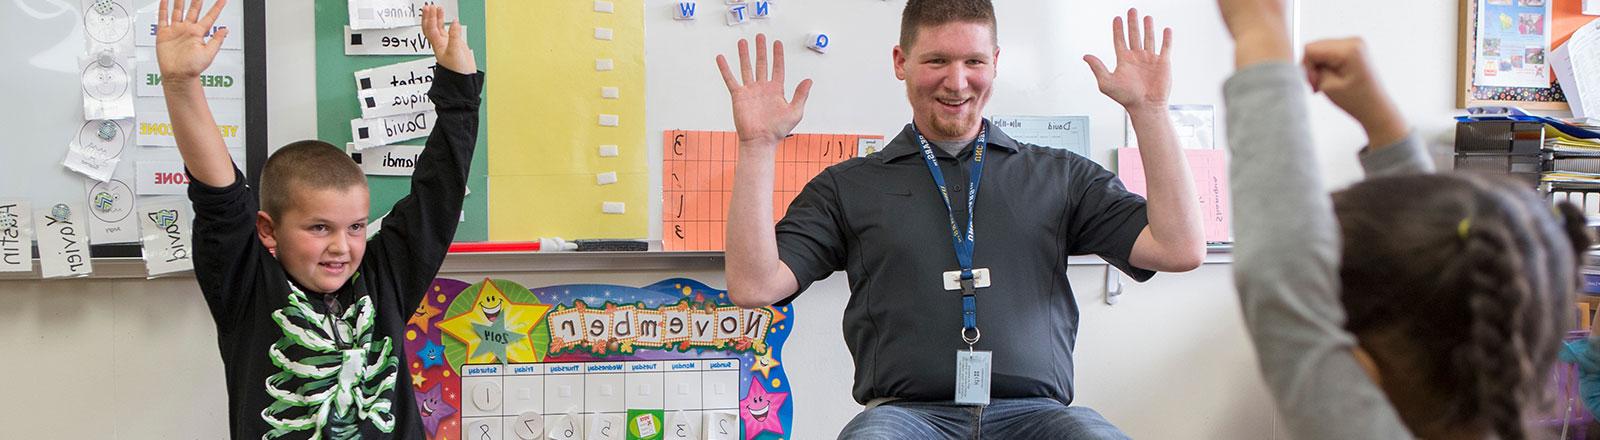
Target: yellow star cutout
{"points": [[423, 314], [764, 364], [519, 317], [416, 380]]}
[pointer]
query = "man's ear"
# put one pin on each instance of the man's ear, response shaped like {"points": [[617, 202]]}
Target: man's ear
{"points": [[899, 57], [264, 230]]}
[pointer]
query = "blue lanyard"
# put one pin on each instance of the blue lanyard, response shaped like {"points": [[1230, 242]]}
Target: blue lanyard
{"points": [[963, 244]]}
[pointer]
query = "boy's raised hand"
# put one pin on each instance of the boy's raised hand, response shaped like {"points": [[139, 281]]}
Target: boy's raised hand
{"points": [[449, 47], [182, 50]]}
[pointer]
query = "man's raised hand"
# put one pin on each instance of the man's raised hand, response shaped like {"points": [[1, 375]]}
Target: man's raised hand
{"points": [[760, 113]]}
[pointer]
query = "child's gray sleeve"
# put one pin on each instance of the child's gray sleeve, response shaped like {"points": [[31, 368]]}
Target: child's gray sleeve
{"points": [[1286, 255]]}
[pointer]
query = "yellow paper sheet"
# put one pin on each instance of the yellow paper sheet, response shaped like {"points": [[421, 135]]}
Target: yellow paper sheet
{"points": [[545, 105]]}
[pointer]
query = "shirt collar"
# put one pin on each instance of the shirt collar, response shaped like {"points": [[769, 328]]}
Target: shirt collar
{"points": [[906, 143]]}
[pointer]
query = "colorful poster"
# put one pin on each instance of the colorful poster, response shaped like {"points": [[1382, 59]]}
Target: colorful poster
{"points": [[675, 359], [1513, 36], [697, 180]]}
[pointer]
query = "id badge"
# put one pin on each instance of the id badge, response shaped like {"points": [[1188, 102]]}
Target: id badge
{"points": [[972, 377]]}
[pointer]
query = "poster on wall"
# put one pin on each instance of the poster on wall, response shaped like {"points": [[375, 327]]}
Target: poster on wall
{"points": [[1514, 35], [493, 360]]}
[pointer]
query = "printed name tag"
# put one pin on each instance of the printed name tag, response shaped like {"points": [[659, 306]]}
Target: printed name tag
{"points": [[972, 377]]}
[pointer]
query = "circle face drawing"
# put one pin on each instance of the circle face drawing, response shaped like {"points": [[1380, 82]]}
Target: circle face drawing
{"points": [[92, 137], [111, 202], [107, 22], [105, 83]]}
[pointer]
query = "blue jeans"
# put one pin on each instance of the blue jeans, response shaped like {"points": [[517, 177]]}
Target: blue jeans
{"points": [[1030, 418]]}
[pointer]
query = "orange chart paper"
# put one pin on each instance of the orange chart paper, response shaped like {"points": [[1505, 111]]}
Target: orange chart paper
{"points": [[697, 180], [1210, 171]]}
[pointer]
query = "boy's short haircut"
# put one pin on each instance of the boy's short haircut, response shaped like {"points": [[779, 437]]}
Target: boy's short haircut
{"points": [[921, 13], [305, 165]]}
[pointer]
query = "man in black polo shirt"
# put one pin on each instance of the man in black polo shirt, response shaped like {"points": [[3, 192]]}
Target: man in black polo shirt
{"points": [[928, 362]]}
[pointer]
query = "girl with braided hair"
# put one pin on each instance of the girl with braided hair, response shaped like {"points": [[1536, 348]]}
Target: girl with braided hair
{"points": [[1408, 305]]}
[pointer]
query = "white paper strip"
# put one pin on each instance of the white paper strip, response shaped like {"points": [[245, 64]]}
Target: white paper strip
{"points": [[390, 101], [232, 17], [384, 131], [155, 124], [16, 236], [387, 160], [223, 80], [166, 223], [160, 178], [396, 75], [397, 41], [63, 244], [382, 14]]}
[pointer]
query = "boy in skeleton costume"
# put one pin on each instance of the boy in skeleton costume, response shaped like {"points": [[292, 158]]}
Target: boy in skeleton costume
{"points": [[307, 327]]}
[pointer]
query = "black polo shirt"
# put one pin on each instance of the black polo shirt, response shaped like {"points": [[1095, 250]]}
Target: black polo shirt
{"points": [[880, 219]]}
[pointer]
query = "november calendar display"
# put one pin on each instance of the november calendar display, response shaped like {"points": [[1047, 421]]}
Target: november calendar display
{"points": [[492, 359]]}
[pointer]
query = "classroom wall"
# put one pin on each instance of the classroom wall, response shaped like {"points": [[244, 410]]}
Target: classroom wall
{"points": [[1412, 47], [136, 359]]}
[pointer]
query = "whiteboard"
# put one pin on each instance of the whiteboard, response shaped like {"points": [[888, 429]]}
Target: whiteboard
{"points": [[44, 40], [1040, 69]]}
